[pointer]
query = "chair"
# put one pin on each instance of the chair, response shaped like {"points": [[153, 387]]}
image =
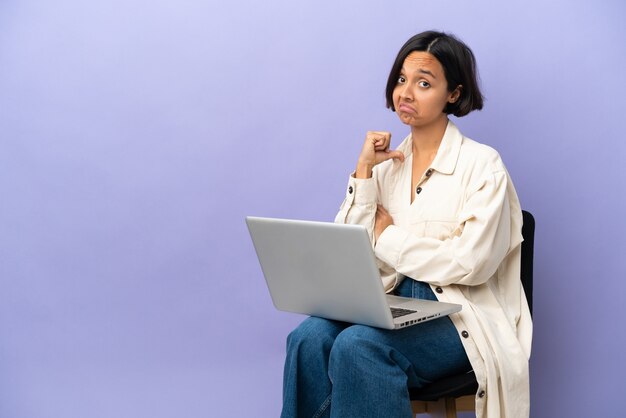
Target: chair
{"points": [[457, 393]]}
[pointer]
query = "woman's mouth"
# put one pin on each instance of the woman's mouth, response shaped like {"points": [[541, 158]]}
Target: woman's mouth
{"points": [[405, 108]]}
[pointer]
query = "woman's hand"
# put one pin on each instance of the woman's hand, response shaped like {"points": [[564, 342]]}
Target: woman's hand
{"points": [[383, 220], [375, 151]]}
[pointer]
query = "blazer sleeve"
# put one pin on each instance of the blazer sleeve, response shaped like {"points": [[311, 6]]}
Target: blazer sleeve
{"points": [[359, 205], [470, 257]]}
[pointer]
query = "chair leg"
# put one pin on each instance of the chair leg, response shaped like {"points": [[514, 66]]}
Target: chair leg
{"points": [[443, 408], [450, 407]]}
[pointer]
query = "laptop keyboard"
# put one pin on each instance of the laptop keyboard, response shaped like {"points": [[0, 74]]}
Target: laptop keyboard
{"points": [[398, 312]]}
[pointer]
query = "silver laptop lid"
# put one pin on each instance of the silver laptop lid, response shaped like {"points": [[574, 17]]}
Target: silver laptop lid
{"points": [[321, 269]]}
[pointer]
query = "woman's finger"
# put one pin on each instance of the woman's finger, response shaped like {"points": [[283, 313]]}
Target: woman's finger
{"points": [[380, 139]]}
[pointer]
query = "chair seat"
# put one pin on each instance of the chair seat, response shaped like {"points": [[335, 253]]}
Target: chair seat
{"points": [[450, 387]]}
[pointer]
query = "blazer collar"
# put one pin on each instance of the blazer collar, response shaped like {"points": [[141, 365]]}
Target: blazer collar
{"points": [[448, 152]]}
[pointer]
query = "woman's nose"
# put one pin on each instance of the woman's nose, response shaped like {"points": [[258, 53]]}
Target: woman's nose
{"points": [[406, 93]]}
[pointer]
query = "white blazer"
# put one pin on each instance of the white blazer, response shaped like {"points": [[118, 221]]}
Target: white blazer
{"points": [[462, 235]]}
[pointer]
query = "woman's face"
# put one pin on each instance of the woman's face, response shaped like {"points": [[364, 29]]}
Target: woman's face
{"points": [[421, 92]]}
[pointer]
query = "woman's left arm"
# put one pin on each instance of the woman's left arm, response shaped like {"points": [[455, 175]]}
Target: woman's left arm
{"points": [[485, 236]]}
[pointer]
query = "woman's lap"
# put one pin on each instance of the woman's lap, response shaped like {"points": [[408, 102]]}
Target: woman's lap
{"points": [[339, 369], [432, 348]]}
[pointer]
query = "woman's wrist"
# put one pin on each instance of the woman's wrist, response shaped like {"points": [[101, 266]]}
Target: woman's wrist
{"points": [[363, 170]]}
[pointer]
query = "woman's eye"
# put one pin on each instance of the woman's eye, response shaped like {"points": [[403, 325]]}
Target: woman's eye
{"points": [[424, 84], [401, 80]]}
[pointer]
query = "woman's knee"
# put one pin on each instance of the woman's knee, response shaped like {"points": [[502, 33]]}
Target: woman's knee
{"points": [[359, 351], [315, 332], [358, 341]]}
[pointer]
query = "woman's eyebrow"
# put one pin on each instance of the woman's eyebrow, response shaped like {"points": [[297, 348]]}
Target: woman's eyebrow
{"points": [[421, 70]]}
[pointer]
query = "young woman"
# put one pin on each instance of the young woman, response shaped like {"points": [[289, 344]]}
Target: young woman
{"points": [[445, 223]]}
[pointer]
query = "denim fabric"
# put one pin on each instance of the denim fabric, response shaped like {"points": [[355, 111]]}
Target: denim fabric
{"points": [[336, 369], [410, 288]]}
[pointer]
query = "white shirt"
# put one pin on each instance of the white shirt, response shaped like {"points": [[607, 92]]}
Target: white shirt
{"points": [[462, 235]]}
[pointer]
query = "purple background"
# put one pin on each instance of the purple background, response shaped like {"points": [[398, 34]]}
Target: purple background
{"points": [[136, 135]]}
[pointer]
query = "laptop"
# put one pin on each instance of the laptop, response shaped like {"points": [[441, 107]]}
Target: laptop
{"points": [[329, 270]]}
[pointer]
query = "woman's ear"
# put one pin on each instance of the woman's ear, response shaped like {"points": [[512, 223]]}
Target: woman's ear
{"points": [[454, 95]]}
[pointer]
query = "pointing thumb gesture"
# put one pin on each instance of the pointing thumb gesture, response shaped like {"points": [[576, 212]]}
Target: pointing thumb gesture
{"points": [[375, 151]]}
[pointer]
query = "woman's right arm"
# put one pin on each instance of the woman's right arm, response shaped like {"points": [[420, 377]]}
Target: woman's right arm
{"points": [[375, 150], [359, 205]]}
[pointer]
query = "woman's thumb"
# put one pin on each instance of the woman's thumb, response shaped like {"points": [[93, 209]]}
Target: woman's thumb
{"points": [[396, 155]]}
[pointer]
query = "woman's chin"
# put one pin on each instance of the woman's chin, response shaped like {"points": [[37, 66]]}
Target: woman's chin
{"points": [[407, 120]]}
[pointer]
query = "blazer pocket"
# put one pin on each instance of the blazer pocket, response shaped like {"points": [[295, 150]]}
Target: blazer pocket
{"points": [[442, 230], [417, 227]]}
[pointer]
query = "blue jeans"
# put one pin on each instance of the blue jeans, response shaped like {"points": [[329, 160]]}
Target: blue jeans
{"points": [[336, 369]]}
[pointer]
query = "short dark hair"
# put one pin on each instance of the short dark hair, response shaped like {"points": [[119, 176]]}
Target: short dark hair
{"points": [[459, 66]]}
